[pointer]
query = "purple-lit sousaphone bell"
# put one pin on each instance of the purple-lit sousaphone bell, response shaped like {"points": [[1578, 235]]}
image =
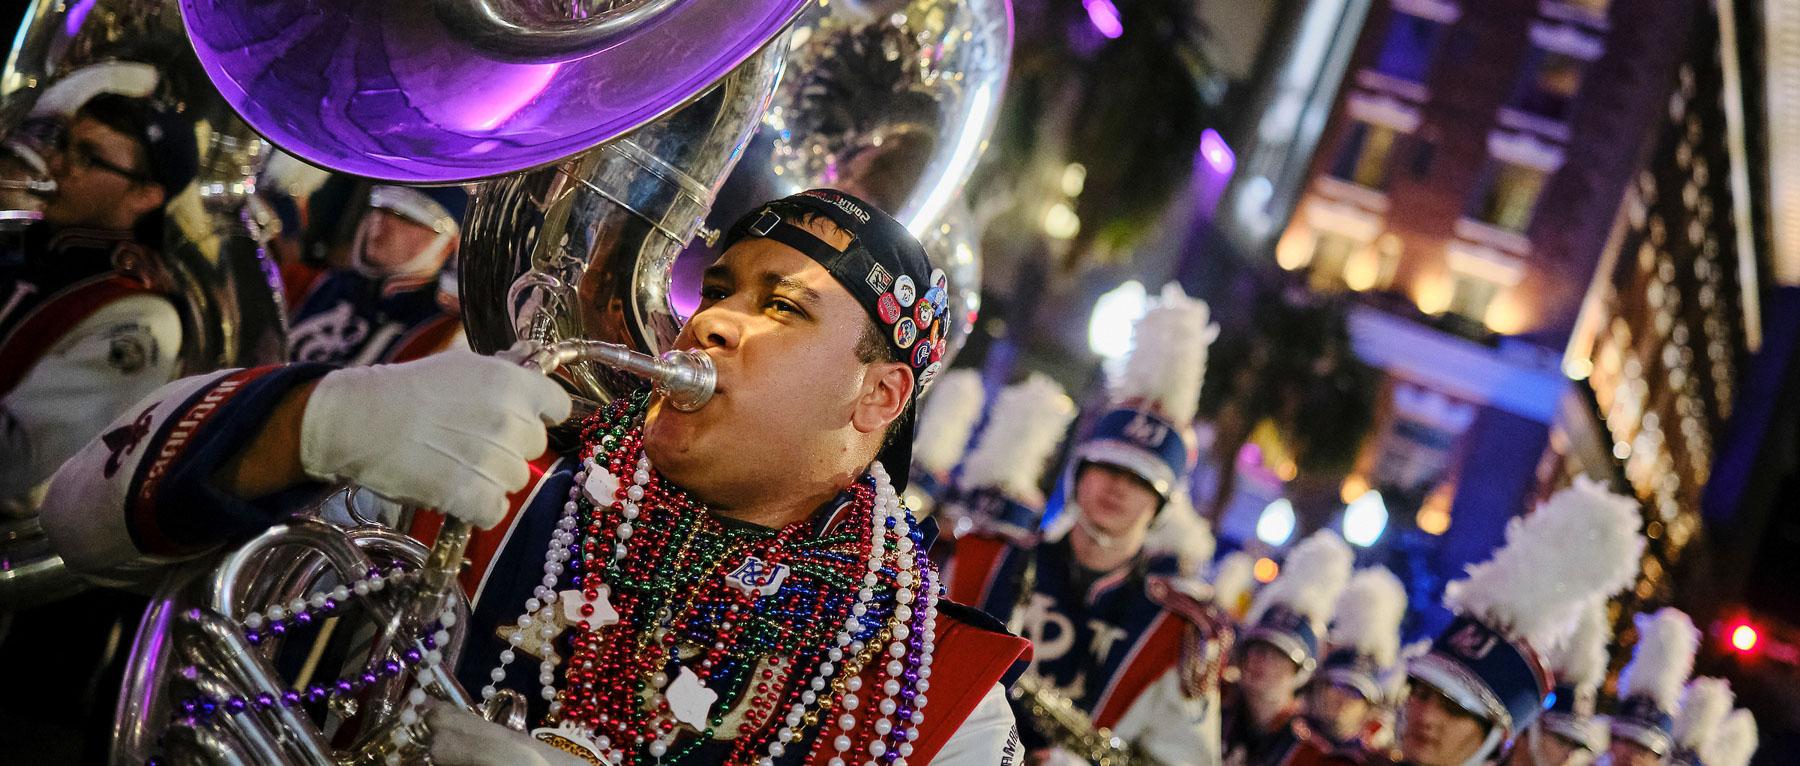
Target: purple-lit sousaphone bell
{"points": [[596, 136]]}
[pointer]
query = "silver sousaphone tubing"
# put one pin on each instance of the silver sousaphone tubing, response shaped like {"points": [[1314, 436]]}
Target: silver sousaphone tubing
{"points": [[567, 245]]}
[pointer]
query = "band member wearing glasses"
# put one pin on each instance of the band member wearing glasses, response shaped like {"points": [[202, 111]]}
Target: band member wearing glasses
{"points": [[1115, 628], [83, 332], [735, 584]]}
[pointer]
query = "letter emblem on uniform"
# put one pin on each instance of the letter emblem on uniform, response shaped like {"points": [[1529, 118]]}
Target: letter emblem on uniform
{"points": [[1472, 642], [1146, 431], [757, 576]]}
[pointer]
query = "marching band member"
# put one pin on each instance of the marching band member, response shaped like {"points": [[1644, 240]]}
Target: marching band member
{"points": [[946, 419], [1278, 651], [86, 325], [1483, 683], [998, 489], [1643, 726], [1346, 698], [1114, 630], [396, 300], [744, 575], [1569, 733]]}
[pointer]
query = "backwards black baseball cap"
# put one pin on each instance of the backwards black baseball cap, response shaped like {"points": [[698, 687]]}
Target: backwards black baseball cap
{"points": [[887, 271]]}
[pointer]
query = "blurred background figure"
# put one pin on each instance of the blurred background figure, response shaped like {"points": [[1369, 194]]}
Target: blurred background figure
{"points": [[395, 296], [1643, 727], [88, 328], [1122, 636], [1347, 699], [947, 417], [1570, 733], [1278, 652]]}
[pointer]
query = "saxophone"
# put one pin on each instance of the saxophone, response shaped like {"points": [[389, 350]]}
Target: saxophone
{"points": [[1056, 716], [1053, 714]]}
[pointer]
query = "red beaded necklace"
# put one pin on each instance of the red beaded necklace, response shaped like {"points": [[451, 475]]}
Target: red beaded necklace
{"points": [[679, 607]]}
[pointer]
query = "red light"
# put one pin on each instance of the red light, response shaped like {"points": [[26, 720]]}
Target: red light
{"points": [[1744, 638]]}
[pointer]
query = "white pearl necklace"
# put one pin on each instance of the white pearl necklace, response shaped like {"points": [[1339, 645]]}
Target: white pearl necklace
{"points": [[429, 667]]}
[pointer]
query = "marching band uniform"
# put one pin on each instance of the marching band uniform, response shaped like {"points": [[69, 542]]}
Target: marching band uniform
{"points": [[1578, 666], [84, 333], [87, 324], [1487, 663], [1650, 684], [158, 482], [363, 314], [1365, 641], [1289, 615], [1136, 649]]}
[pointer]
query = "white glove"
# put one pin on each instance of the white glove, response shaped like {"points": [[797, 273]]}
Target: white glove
{"points": [[452, 431], [462, 738]]}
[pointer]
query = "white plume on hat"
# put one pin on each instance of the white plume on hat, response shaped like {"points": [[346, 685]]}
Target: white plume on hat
{"points": [[1368, 614], [1167, 361], [1028, 420], [1316, 571], [1662, 659], [1181, 532], [1581, 543], [1234, 577], [1394, 678], [1734, 743], [947, 416], [1580, 659], [1705, 703]]}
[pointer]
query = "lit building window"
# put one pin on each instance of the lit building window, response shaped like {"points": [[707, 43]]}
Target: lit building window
{"points": [[1592, 12], [1477, 276], [1513, 181], [1412, 44], [1549, 85], [1331, 252], [1366, 155], [1510, 196], [1552, 75], [1341, 260], [1370, 147], [1470, 295], [1372, 267], [1340, 245]]}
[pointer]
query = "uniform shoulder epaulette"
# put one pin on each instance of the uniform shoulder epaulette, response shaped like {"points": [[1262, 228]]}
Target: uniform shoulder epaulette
{"points": [[1010, 534], [1188, 598], [971, 616]]}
